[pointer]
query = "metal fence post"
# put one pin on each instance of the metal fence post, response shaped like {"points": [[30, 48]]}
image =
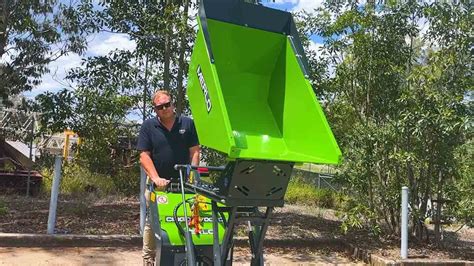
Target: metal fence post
{"points": [[404, 225], [142, 199], [28, 181], [54, 195]]}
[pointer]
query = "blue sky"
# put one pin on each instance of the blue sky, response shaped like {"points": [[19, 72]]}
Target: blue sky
{"points": [[102, 43], [98, 44]]}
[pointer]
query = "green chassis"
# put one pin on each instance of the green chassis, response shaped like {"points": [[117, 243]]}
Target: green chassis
{"points": [[167, 201]]}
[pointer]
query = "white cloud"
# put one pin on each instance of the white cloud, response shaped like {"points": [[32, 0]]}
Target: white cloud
{"points": [[55, 80], [106, 42], [66, 62], [193, 11], [299, 5], [316, 47], [101, 44], [423, 25], [50, 82], [293, 2], [7, 57], [307, 5]]}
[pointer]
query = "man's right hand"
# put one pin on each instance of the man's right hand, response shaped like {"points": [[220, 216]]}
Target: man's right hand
{"points": [[161, 182]]}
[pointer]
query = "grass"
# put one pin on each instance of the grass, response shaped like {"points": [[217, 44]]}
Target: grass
{"points": [[302, 193], [77, 180], [3, 208], [79, 209]]}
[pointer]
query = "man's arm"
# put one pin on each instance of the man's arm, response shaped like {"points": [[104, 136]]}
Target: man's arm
{"points": [[194, 155], [147, 164]]}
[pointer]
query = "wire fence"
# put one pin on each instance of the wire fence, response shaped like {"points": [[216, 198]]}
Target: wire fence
{"points": [[320, 180]]}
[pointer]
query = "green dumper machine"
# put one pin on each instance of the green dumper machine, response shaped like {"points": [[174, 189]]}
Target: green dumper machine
{"points": [[251, 99]]}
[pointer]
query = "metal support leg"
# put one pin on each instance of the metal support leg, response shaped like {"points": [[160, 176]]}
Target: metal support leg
{"points": [[153, 215], [189, 247], [154, 220], [227, 242], [215, 232], [238, 212], [256, 239]]}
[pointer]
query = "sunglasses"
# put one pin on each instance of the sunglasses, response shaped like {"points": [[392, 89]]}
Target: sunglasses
{"points": [[162, 106]]}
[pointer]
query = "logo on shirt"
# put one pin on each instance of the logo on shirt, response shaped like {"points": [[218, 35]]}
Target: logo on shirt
{"points": [[182, 131], [202, 82]]}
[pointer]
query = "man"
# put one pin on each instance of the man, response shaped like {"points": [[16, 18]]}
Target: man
{"points": [[164, 141]]}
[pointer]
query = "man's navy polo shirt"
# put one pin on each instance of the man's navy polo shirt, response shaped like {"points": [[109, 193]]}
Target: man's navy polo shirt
{"points": [[168, 147]]}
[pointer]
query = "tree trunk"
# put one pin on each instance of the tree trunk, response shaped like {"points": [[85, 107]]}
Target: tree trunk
{"points": [[181, 64], [439, 204], [145, 88], [394, 222], [167, 44]]}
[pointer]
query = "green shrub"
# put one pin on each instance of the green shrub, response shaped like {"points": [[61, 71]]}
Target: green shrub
{"points": [[358, 216], [47, 182], [76, 179], [127, 181], [301, 192], [343, 202], [325, 198]]}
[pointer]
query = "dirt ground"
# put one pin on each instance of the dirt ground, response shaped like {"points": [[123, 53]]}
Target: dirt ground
{"points": [[299, 228], [132, 256]]}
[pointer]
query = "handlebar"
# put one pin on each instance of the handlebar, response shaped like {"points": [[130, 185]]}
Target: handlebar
{"points": [[194, 167], [173, 185], [170, 187]]}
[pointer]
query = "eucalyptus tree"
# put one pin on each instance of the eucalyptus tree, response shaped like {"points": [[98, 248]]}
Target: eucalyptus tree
{"points": [[108, 90], [395, 96], [163, 31], [36, 33]]}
